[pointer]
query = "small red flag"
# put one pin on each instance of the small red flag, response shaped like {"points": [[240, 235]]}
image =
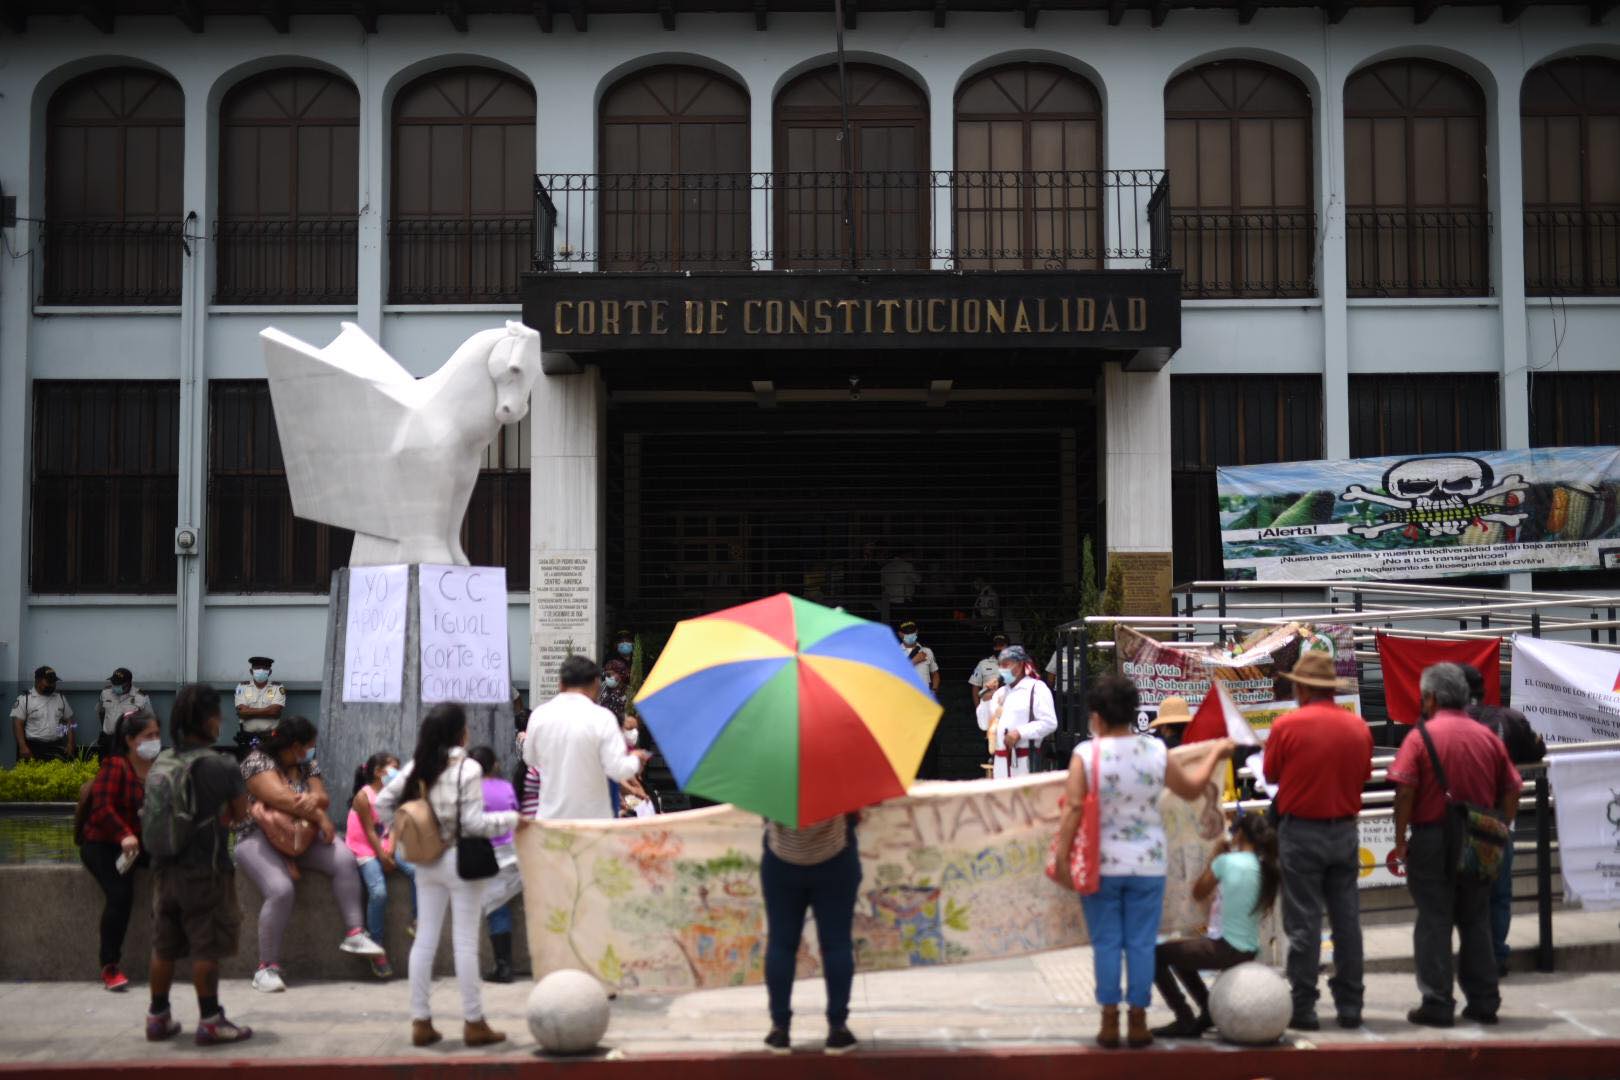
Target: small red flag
{"points": [[1218, 718], [1403, 661]]}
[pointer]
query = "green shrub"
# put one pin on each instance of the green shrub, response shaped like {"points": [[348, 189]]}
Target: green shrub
{"points": [[45, 781]]}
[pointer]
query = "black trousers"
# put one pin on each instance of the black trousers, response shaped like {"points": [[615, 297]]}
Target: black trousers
{"points": [[101, 860], [1320, 866], [1184, 960], [1444, 901]]}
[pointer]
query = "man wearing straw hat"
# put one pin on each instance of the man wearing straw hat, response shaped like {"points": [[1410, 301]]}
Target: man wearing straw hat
{"points": [[1320, 755]]}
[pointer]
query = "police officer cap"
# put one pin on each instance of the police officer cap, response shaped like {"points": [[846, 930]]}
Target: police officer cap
{"points": [[260, 661], [907, 627], [119, 675], [44, 671]]}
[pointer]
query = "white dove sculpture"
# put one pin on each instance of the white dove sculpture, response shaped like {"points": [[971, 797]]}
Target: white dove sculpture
{"points": [[370, 448]]}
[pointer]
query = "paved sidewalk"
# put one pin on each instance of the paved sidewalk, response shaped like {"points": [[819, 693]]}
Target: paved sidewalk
{"points": [[1039, 1001]]}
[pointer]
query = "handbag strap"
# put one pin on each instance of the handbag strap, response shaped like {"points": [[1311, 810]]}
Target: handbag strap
{"points": [[459, 769], [1434, 756], [1096, 766]]}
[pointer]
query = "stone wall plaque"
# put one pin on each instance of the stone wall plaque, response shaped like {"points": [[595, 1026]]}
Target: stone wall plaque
{"points": [[563, 605], [1148, 580]]}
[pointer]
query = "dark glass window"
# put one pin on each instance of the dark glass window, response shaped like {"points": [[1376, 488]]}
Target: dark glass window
{"points": [[254, 542], [1218, 420], [675, 180], [1238, 146], [1570, 115], [496, 532], [1028, 151], [114, 149], [106, 469], [288, 184], [1423, 414], [463, 216], [1416, 222], [889, 194]]}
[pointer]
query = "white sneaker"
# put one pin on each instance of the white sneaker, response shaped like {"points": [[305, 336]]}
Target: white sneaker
{"points": [[361, 945], [267, 980]]}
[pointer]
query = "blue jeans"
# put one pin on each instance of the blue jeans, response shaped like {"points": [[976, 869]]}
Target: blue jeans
{"points": [[1502, 906], [829, 890], [1123, 917], [500, 920], [375, 879]]}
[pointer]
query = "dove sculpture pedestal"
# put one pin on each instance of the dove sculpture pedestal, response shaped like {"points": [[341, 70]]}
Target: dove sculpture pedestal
{"points": [[351, 731]]}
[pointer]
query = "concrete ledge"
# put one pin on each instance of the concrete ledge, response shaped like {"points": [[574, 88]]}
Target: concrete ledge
{"points": [[50, 917]]}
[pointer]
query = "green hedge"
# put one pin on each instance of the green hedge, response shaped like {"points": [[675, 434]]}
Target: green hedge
{"points": [[45, 781]]}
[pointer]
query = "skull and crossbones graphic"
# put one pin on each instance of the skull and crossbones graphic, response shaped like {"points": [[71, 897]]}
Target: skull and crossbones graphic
{"points": [[1441, 495]]}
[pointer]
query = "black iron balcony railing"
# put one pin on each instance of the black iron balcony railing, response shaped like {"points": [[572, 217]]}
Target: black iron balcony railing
{"points": [[1250, 255], [285, 262], [88, 263], [869, 220], [458, 260], [1571, 252], [1418, 252]]}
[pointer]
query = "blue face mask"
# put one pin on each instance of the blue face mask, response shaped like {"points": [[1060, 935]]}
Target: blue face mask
{"points": [[611, 682], [261, 675], [309, 756], [389, 774], [627, 648], [910, 639], [1008, 676]]}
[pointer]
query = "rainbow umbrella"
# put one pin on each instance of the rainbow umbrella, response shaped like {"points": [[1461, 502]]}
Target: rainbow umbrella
{"points": [[788, 709]]}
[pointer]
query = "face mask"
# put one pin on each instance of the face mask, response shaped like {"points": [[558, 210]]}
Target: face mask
{"points": [[50, 687], [910, 639], [611, 682], [389, 774], [633, 736], [1008, 676], [309, 756], [148, 748], [626, 648], [261, 675], [121, 687]]}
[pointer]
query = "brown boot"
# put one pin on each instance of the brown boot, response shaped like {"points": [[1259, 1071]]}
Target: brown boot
{"points": [[423, 1034], [1108, 1033], [479, 1033], [1136, 1029]]}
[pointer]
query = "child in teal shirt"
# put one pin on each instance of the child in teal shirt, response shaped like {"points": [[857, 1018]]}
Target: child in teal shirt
{"points": [[1244, 869]]}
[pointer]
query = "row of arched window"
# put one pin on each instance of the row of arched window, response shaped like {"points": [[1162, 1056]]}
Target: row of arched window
{"points": [[673, 187]]}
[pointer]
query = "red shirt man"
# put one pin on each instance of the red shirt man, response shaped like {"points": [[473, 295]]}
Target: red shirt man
{"points": [[1476, 761], [1319, 756]]}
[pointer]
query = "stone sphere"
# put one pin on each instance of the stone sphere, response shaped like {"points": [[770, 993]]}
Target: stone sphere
{"points": [[568, 1012], [1250, 1004]]}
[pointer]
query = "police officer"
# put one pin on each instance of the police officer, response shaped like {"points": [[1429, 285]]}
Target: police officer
{"points": [[624, 646], [43, 720], [120, 696], [986, 671], [258, 702]]}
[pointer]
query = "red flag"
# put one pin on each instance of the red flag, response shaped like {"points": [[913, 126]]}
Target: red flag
{"points": [[1218, 718], [1404, 659]]}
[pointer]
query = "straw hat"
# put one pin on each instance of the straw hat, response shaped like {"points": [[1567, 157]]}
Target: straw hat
{"points": [[1172, 710], [1315, 669]]}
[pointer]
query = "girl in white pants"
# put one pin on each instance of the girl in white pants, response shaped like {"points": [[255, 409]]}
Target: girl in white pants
{"points": [[454, 784]]}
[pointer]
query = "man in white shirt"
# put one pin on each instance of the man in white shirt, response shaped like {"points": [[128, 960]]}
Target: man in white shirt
{"points": [[986, 671], [900, 581], [120, 695], [1017, 715], [577, 746]]}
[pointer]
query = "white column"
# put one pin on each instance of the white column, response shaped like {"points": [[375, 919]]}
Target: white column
{"points": [[942, 160], [1506, 180], [566, 524], [195, 288], [16, 289], [1332, 273], [762, 203], [371, 243], [1136, 459]]}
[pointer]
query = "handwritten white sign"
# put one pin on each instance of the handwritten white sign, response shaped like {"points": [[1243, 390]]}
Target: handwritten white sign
{"points": [[464, 647], [374, 644]]}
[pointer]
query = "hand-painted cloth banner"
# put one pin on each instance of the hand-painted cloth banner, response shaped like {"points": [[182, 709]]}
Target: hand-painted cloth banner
{"points": [[1404, 660], [952, 873], [1423, 516], [1586, 792], [1569, 693]]}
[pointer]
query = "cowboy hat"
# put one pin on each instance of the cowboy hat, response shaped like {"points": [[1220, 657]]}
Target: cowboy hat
{"points": [[1315, 669], [1172, 710]]}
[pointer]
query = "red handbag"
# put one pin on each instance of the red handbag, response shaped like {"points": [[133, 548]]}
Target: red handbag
{"points": [[1085, 875]]}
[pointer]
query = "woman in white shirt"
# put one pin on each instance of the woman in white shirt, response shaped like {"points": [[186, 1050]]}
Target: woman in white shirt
{"points": [[455, 790], [1123, 915]]}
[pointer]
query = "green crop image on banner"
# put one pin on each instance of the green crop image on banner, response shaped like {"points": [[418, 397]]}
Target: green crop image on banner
{"points": [[1423, 516]]}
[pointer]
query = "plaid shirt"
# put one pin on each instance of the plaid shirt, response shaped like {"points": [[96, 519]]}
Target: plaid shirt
{"points": [[115, 803]]}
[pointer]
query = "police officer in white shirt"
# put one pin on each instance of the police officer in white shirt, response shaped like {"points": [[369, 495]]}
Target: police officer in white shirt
{"points": [[43, 720], [120, 696], [921, 656], [985, 673], [1017, 713], [578, 747], [259, 702]]}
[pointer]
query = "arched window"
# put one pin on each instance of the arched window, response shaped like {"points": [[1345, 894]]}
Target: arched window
{"points": [[1028, 155], [463, 190], [1416, 219], [1571, 121], [886, 181], [1238, 143], [675, 179], [114, 151], [288, 182]]}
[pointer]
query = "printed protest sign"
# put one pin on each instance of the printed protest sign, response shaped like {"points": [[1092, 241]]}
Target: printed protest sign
{"points": [[1586, 793], [1569, 693], [464, 647], [1422, 517], [374, 633]]}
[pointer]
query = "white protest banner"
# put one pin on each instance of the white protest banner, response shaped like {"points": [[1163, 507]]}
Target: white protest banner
{"points": [[464, 648], [374, 639], [1586, 793], [1569, 693]]}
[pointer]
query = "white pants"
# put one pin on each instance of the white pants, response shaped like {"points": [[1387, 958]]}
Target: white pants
{"points": [[438, 887]]}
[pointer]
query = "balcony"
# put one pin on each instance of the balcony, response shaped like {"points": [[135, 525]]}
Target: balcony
{"points": [[475, 260], [1428, 253], [852, 221], [123, 263], [1573, 252], [286, 262], [1252, 254]]}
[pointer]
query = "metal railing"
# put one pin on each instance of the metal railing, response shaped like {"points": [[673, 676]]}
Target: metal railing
{"points": [[110, 262], [1072, 219], [459, 260], [286, 262], [1571, 252], [1418, 252], [1249, 254]]}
